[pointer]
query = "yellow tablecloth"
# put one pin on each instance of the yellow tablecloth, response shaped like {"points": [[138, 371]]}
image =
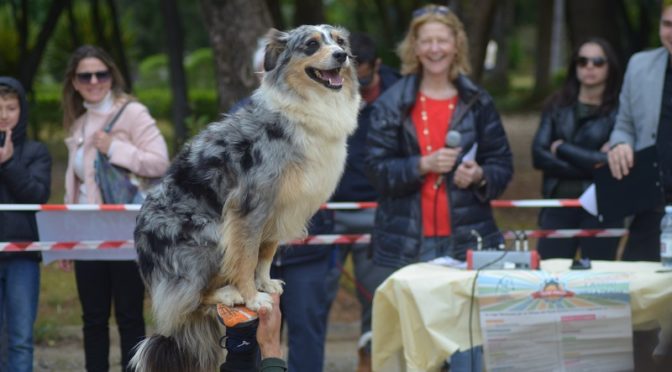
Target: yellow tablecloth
{"points": [[421, 312]]}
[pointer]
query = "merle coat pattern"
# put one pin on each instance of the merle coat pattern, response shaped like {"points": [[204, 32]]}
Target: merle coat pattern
{"points": [[208, 233]]}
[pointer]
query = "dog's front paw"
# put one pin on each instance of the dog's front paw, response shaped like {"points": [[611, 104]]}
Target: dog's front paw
{"points": [[270, 286], [229, 296], [260, 300]]}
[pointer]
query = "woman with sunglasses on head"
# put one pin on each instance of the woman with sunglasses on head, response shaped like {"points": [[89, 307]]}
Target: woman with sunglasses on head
{"points": [[571, 141], [437, 154], [93, 94]]}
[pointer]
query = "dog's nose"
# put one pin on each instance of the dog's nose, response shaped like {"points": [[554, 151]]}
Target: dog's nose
{"points": [[340, 56]]}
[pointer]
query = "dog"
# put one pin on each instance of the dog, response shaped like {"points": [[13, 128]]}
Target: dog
{"points": [[207, 234]]}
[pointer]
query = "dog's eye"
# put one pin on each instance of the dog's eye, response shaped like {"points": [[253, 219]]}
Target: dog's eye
{"points": [[340, 41], [312, 43]]}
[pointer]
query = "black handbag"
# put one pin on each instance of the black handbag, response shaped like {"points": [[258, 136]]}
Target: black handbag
{"points": [[118, 185]]}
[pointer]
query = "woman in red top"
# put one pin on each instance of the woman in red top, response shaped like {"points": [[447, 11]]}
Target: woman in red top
{"points": [[435, 195], [435, 198]]}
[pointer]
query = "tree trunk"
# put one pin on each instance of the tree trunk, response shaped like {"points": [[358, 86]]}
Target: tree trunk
{"points": [[594, 18], [478, 21], [72, 26], [276, 14], [97, 20], [498, 78], [308, 12], [118, 43], [178, 81], [542, 72], [388, 34], [31, 59], [234, 27]]}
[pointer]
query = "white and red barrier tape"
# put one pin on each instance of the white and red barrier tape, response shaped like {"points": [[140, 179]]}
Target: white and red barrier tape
{"points": [[64, 246], [344, 239], [531, 203], [527, 203]]}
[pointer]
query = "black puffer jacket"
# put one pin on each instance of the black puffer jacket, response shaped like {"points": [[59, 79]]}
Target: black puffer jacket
{"points": [[393, 163], [580, 152], [24, 179]]}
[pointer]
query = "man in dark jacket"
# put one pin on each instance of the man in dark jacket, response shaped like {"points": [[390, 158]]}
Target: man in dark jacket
{"points": [[374, 78], [25, 178]]}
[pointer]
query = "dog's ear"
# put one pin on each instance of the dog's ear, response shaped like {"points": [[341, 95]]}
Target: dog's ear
{"points": [[277, 42]]}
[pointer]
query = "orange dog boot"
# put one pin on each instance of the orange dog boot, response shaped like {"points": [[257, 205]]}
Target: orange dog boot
{"points": [[238, 315]]}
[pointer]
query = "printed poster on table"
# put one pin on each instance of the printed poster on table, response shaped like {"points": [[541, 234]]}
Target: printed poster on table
{"points": [[535, 321]]}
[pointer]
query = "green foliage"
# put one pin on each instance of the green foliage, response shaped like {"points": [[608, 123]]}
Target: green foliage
{"points": [[153, 73], [159, 102], [199, 66], [9, 57], [46, 113], [62, 43], [200, 69]]}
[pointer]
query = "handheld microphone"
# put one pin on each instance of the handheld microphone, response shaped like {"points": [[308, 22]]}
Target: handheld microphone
{"points": [[453, 140]]}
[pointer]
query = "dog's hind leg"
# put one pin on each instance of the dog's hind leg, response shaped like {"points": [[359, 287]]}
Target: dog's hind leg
{"points": [[263, 271]]}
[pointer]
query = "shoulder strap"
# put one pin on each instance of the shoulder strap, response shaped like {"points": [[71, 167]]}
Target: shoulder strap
{"points": [[109, 125]]}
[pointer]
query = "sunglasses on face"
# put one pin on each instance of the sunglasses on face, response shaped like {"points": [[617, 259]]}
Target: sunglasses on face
{"points": [[438, 9], [596, 61], [86, 77]]}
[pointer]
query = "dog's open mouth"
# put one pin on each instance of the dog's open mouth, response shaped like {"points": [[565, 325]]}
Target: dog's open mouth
{"points": [[329, 78]]}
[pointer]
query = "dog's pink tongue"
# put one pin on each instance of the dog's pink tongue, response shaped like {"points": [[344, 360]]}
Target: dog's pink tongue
{"points": [[334, 77]]}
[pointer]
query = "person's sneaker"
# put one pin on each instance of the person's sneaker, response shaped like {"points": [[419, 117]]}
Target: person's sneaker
{"points": [[238, 315]]}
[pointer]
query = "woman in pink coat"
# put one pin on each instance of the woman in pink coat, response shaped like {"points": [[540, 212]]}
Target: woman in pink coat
{"points": [[93, 94]]}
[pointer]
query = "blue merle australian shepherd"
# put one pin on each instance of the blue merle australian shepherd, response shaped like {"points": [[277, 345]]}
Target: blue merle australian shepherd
{"points": [[208, 232]]}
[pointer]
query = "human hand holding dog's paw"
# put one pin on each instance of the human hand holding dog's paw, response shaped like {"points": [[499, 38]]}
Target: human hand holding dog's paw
{"points": [[268, 332]]}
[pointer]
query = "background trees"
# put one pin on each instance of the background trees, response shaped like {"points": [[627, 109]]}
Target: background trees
{"points": [[190, 60]]}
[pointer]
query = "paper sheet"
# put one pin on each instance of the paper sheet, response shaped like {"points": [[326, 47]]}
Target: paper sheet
{"points": [[588, 200], [572, 322], [471, 154]]}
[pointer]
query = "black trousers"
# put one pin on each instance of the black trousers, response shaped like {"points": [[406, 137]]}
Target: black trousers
{"points": [[644, 236], [101, 284], [575, 218]]}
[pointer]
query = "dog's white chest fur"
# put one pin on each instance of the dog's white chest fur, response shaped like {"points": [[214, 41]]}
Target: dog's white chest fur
{"points": [[304, 190], [325, 122]]}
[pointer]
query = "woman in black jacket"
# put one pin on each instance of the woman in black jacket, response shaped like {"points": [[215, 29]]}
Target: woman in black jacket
{"points": [[25, 178], [571, 141], [433, 196]]}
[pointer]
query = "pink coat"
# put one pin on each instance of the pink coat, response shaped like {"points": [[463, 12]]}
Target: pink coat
{"points": [[137, 145]]}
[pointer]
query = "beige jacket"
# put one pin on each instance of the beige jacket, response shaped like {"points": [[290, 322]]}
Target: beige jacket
{"points": [[136, 140]]}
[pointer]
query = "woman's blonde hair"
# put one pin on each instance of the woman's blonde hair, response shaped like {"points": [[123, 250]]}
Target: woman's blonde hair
{"points": [[434, 13], [72, 102]]}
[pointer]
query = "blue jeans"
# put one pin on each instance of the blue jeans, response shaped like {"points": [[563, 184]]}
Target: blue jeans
{"points": [[305, 309], [19, 292]]}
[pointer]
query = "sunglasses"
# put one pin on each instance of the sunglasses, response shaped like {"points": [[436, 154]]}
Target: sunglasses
{"points": [[596, 61], [86, 77], [437, 9]]}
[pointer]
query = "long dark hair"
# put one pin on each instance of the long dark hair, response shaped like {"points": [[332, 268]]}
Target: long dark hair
{"points": [[71, 100], [569, 93]]}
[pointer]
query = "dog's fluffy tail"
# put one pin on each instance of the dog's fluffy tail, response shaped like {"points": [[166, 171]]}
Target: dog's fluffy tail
{"points": [[192, 348]]}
